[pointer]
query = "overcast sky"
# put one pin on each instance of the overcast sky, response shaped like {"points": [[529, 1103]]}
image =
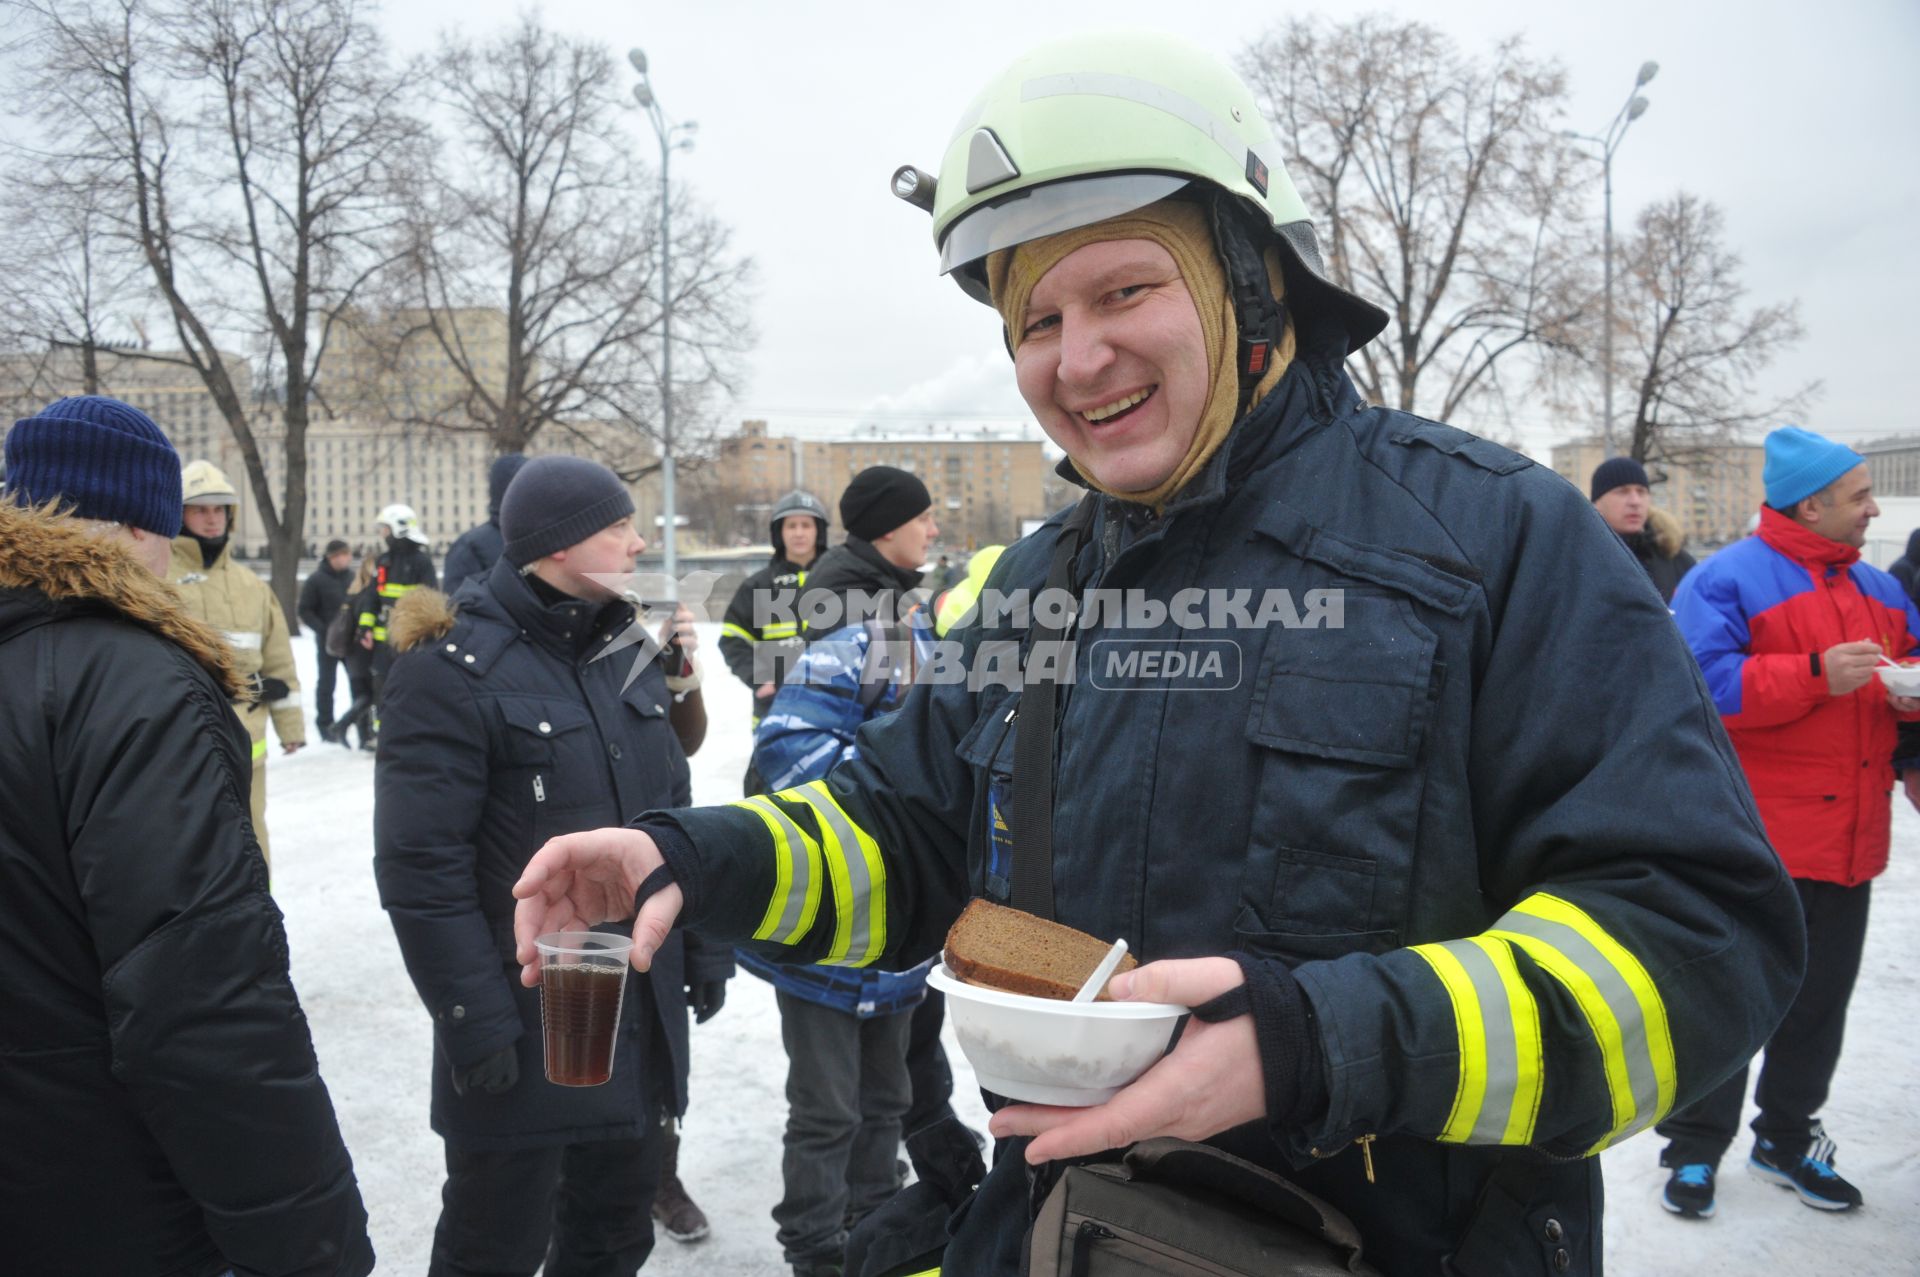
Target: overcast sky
{"points": [[1793, 117]]}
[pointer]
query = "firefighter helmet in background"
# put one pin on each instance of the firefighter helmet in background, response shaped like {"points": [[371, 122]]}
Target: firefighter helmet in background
{"points": [[203, 483], [798, 502], [401, 521], [1088, 127]]}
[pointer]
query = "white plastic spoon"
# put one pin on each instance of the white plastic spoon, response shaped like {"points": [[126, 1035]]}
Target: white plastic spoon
{"points": [[1098, 980]]}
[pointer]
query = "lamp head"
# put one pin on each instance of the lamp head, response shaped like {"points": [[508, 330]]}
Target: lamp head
{"points": [[638, 58], [1636, 108], [1647, 71], [643, 94]]}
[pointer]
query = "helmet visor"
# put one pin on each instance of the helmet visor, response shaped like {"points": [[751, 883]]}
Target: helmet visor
{"points": [[1040, 211]]}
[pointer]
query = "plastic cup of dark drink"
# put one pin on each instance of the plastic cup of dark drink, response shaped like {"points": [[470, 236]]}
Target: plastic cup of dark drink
{"points": [[583, 975]]}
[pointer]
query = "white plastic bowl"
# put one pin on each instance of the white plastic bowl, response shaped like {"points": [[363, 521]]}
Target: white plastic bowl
{"points": [[1046, 1051], [1904, 681]]}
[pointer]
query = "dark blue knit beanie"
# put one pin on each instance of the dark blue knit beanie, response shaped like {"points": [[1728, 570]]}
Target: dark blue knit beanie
{"points": [[101, 458], [555, 502], [1616, 472]]}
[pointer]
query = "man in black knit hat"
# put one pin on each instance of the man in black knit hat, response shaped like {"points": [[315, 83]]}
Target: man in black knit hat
{"points": [[1623, 497], [502, 726]]}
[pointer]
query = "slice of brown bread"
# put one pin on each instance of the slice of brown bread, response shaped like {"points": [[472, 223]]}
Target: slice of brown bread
{"points": [[1010, 950]]}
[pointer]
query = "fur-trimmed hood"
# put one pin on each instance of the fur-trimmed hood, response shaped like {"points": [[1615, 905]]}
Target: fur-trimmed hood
{"points": [[51, 554], [1665, 532], [419, 616]]}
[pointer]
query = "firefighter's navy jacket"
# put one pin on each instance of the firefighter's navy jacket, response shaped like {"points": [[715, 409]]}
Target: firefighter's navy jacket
{"points": [[1489, 821]]}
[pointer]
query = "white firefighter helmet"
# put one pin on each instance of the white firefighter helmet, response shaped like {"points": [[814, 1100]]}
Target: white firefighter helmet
{"points": [[401, 521]]}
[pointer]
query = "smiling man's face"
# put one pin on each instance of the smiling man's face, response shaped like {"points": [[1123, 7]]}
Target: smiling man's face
{"points": [[1113, 363]]}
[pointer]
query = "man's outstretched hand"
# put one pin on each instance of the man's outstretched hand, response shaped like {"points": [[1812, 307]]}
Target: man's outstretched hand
{"points": [[579, 880]]}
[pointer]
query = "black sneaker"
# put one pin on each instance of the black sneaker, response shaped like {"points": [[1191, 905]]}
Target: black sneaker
{"points": [[1689, 1191], [1810, 1174]]}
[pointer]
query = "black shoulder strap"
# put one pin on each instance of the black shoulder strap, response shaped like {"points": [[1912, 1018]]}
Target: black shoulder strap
{"points": [[1033, 731]]}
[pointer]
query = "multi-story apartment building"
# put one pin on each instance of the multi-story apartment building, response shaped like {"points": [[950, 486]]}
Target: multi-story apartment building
{"points": [[984, 479], [1714, 493]]}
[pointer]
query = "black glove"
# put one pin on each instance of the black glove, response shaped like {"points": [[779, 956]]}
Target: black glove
{"points": [[706, 998], [494, 1075], [265, 691]]}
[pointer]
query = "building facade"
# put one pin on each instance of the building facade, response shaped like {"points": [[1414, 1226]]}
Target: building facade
{"points": [[984, 479]]}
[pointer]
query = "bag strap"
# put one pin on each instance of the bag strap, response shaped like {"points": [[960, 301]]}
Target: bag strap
{"points": [[1032, 813]]}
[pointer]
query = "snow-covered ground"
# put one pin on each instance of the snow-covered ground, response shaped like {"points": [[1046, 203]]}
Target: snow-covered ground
{"points": [[374, 1045]]}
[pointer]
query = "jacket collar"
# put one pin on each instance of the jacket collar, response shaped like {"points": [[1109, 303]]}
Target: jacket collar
{"points": [[50, 564], [568, 629], [1807, 548]]}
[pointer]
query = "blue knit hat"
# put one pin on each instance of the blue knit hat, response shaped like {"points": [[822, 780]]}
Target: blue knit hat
{"points": [[1800, 463], [555, 502], [102, 458]]}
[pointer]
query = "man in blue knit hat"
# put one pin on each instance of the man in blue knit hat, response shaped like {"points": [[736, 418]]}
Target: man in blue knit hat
{"points": [[1788, 626], [163, 1109]]}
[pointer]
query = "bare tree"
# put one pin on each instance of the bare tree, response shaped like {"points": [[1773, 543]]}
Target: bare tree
{"points": [[1440, 190], [1697, 349], [534, 263], [65, 281], [244, 150]]}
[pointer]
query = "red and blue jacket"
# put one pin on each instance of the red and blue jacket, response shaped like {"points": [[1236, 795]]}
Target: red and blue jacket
{"points": [[1758, 615]]}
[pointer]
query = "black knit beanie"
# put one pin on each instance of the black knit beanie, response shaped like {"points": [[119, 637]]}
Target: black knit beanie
{"points": [[1616, 472], [880, 499], [555, 502], [103, 459]]}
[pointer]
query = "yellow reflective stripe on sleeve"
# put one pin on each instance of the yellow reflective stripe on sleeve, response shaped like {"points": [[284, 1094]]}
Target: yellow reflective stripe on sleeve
{"points": [[1498, 1025], [859, 879], [367, 619], [259, 750], [774, 630], [796, 889], [394, 591], [379, 633], [1618, 999], [730, 630]]}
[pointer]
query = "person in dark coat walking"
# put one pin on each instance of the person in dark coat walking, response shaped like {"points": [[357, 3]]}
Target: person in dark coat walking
{"points": [[321, 596], [522, 710], [163, 1109], [1620, 493], [403, 568], [474, 553]]}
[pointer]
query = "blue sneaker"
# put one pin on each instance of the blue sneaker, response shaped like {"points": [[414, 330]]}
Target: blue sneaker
{"points": [[1811, 1175], [1689, 1191]]}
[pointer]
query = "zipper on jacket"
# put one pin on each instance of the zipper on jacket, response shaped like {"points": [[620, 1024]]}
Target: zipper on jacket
{"points": [[539, 790], [1366, 1153]]}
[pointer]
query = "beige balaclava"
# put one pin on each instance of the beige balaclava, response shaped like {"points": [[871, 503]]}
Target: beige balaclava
{"points": [[1180, 227]]}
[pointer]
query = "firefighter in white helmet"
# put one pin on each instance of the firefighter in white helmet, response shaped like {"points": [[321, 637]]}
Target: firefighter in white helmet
{"points": [[236, 602]]}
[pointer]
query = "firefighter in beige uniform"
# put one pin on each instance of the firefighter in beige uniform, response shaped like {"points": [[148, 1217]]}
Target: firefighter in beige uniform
{"points": [[242, 608]]}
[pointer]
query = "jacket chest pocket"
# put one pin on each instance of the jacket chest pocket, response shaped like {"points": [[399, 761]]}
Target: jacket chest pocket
{"points": [[543, 749], [650, 771], [1337, 718], [988, 748]]}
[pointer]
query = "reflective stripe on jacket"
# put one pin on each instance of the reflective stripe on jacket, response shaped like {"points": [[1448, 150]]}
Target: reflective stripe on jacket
{"points": [[241, 606]]}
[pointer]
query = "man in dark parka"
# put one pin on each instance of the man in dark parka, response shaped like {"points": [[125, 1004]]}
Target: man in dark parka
{"points": [[501, 727]]}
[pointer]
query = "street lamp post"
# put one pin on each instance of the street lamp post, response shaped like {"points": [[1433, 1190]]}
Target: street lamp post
{"points": [[1632, 109], [673, 137]]}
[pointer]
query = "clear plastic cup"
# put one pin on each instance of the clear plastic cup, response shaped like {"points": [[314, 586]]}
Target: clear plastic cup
{"points": [[583, 977]]}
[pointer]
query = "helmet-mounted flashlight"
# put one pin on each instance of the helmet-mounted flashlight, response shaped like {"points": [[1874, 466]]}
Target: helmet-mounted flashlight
{"points": [[914, 186]]}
